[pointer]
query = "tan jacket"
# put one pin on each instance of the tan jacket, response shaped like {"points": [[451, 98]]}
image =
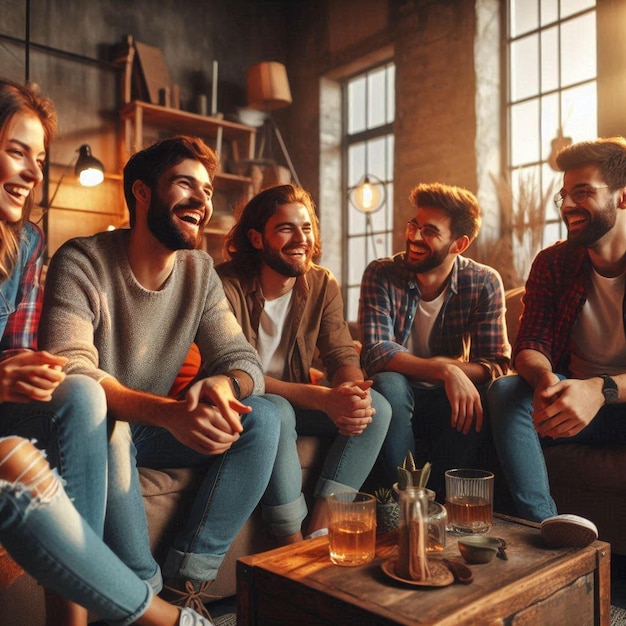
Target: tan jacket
{"points": [[317, 321]]}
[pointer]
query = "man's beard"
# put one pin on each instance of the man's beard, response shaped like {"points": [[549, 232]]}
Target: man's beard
{"points": [[599, 225], [434, 259], [162, 224], [273, 259]]}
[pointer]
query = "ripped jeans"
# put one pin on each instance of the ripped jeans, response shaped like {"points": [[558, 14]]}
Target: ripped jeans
{"points": [[44, 533], [71, 427]]}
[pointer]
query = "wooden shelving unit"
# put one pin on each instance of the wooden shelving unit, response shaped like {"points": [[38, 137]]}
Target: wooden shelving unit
{"points": [[136, 115]]}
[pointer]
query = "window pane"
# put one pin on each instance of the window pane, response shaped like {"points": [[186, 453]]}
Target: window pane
{"points": [[359, 249], [352, 303], [549, 59], [391, 94], [524, 67], [524, 132], [375, 98], [550, 122], [552, 182], [524, 16], [552, 233], [390, 149], [356, 105], [580, 112], [549, 11], [569, 7], [356, 221], [578, 49], [389, 212], [356, 163], [371, 238], [377, 157]]}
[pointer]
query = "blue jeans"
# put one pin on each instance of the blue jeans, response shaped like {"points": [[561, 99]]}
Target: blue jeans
{"points": [[232, 486], [72, 430], [346, 466], [519, 447], [57, 546], [424, 414]]}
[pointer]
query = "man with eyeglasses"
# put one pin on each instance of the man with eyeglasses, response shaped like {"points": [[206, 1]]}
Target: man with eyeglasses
{"points": [[570, 352], [433, 332]]}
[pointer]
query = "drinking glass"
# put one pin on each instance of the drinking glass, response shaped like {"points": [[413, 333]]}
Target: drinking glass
{"points": [[352, 528], [469, 501]]}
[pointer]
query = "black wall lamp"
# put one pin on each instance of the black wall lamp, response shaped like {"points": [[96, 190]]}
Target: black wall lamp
{"points": [[88, 169]]}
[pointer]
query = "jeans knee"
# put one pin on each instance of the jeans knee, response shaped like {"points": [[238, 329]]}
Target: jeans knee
{"points": [[382, 417], [81, 399], [22, 463], [263, 419], [285, 414]]}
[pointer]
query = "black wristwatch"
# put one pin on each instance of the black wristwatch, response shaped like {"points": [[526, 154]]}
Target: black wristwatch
{"points": [[237, 387], [609, 389]]}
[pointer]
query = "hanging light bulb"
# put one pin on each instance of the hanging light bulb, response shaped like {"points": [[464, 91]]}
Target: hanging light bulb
{"points": [[369, 195]]}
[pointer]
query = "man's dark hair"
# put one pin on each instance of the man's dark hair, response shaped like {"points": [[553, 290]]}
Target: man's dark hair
{"points": [[255, 215], [148, 164], [608, 153], [459, 204]]}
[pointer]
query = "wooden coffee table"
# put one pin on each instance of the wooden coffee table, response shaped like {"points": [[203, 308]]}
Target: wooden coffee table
{"points": [[298, 586]]}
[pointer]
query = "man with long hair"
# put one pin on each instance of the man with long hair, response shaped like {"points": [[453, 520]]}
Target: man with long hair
{"points": [[290, 308]]}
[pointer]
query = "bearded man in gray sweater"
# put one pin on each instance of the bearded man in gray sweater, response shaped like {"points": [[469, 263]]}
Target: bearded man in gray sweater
{"points": [[124, 307]]}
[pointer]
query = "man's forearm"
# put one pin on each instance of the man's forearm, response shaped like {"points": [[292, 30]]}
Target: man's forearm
{"points": [[130, 405], [301, 395], [533, 366]]}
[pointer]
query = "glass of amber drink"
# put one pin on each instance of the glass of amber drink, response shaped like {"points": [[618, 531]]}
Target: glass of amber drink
{"points": [[352, 528], [469, 501]]}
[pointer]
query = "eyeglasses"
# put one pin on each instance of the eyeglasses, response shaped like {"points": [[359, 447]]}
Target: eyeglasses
{"points": [[427, 231], [577, 195]]}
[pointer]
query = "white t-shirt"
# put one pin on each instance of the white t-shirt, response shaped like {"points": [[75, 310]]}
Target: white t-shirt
{"points": [[598, 342], [272, 341], [425, 316]]}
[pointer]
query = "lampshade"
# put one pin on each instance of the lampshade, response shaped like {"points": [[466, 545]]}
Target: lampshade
{"points": [[89, 170], [268, 86], [369, 195]]}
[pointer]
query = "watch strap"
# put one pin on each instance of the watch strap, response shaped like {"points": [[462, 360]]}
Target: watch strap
{"points": [[609, 389], [235, 384]]}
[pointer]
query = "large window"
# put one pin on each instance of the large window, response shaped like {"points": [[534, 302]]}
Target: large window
{"points": [[369, 105], [552, 94]]}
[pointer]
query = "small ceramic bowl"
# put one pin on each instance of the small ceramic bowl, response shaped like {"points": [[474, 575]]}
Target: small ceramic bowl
{"points": [[478, 549]]}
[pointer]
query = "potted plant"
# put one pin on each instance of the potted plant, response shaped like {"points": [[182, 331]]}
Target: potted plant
{"points": [[409, 475], [387, 511]]}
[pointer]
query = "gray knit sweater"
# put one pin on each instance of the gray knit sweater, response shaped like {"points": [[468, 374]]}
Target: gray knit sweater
{"points": [[97, 315]]}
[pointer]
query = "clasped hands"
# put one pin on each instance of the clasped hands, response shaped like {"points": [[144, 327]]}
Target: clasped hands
{"points": [[349, 406], [209, 419]]}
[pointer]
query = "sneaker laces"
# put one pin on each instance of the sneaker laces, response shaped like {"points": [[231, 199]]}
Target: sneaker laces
{"points": [[192, 598]]}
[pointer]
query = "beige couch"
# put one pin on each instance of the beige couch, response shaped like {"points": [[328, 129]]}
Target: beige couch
{"points": [[585, 480]]}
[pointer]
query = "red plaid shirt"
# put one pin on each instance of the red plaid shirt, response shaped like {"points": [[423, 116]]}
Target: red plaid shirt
{"points": [[20, 296], [556, 291]]}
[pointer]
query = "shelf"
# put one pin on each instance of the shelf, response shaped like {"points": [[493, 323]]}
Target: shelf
{"points": [[177, 122], [137, 114]]}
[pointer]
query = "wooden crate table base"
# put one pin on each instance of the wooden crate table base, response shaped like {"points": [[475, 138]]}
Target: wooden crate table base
{"points": [[299, 585]]}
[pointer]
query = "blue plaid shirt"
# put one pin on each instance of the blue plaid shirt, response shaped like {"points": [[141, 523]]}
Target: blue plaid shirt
{"points": [[471, 324]]}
